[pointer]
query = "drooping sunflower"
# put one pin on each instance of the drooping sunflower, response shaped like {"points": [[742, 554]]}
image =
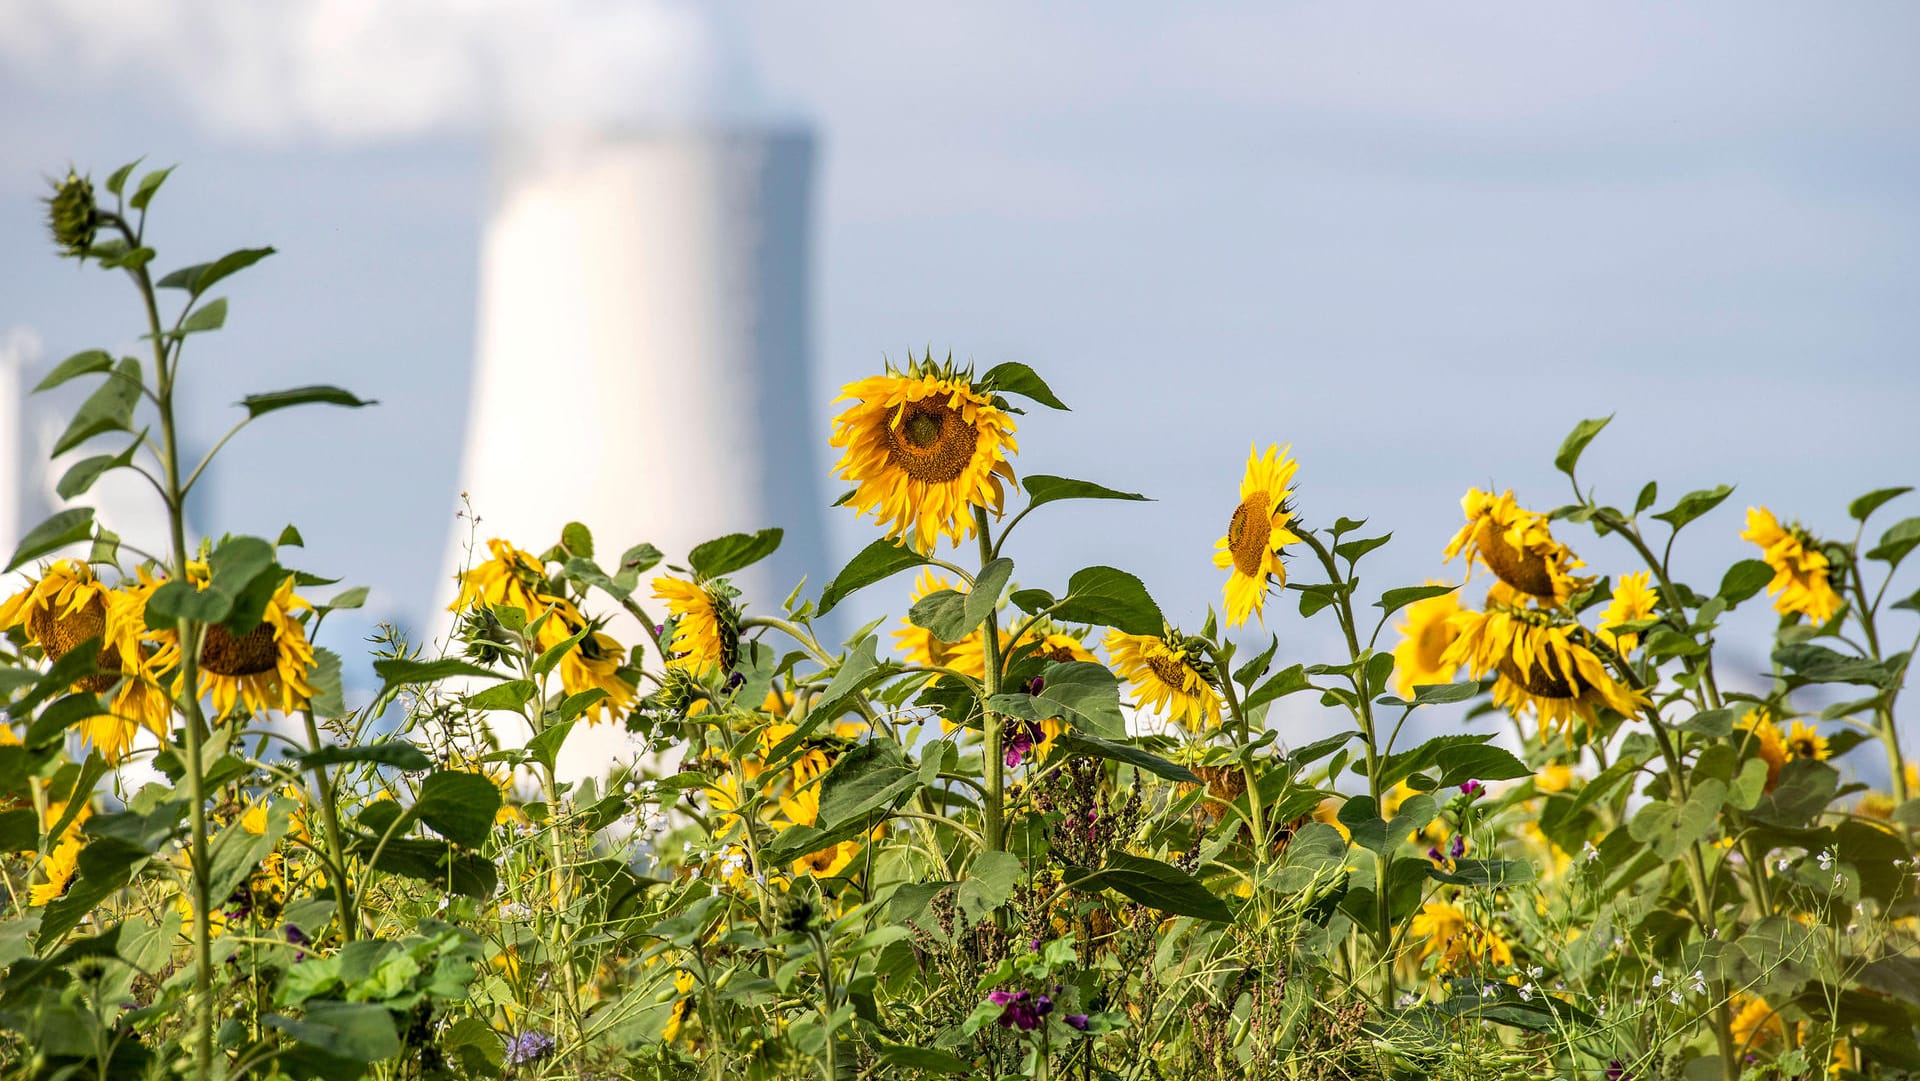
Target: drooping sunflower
{"points": [[514, 578], [1257, 533], [1763, 737], [59, 868], [828, 862], [64, 607], [683, 1007], [1446, 934], [706, 632], [1800, 584], [1632, 600], [1541, 664], [1425, 635], [147, 658], [968, 656], [1169, 676], [265, 668], [1516, 545], [595, 663], [924, 447]]}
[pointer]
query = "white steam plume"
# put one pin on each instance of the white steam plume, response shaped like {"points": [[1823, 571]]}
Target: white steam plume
{"points": [[353, 69]]}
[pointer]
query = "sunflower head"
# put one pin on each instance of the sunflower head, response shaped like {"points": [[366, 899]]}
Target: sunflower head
{"points": [[1425, 634], [1633, 599], [65, 607], [264, 668], [923, 448], [705, 630], [71, 216], [1805, 741], [1543, 664], [1257, 532], [1516, 545], [1801, 583], [1763, 738], [1170, 675], [595, 664]]}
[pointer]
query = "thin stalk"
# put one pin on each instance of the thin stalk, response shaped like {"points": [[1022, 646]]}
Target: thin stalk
{"points": [[989, 721], [330, 821]]}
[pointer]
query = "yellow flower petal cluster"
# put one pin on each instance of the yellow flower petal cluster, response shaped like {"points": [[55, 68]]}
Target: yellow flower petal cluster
{"points": [[515, 578], [1632, 600], [968, 656], [1165, 677], [1420, 658], [1800, 585], [1541, 664], [265, 668], [1454, 941], [923, 448], [702, 638], [1516, 545], [1256, 534]]}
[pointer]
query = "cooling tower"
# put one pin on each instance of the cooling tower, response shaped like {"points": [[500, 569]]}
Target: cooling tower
{"points": [[643, 350]]}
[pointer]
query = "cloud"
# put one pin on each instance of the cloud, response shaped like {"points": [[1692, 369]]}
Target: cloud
{"points": [[370, 69]]}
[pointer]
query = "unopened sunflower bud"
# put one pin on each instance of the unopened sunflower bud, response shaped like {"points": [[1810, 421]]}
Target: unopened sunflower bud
{"points": [[71, 214]]}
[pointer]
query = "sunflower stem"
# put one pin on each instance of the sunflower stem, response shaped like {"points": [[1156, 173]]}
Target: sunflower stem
{"points": [[330, 821], [989, 722]]}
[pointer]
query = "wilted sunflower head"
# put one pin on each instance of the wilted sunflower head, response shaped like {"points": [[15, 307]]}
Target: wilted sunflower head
{"points": [[1543, 665], [1516, 545], [1801, 583], [1170, 675], [264, 668], [923, 448], [71, 216], [1257, 532], [595, 664]]}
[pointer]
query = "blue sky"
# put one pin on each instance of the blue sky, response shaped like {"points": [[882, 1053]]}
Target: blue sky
{"points": [[1417, 243]]}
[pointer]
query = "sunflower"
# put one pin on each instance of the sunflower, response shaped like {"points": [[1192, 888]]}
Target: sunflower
{"points": [[924, 447], [1541, 665], [968, 656], [595, 663], [828, 862], [1062, 648], [1799, 585], [1425, 636], [147, 655], [1755, 1024], [683, 1007], [64, 607], [706, 634], [1257, 533], [1632, 600], [1763, 736], [1805, 741], [1516, 545], [265, 668], [1168, 676], [1445, 933], [59, 867], [514, 578]]}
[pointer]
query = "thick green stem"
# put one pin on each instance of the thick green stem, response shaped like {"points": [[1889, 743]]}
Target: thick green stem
{"points": [[989, 721], [337, 850]]}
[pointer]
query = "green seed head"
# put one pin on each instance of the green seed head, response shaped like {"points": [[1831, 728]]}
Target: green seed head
{"points": [[70, 213]]}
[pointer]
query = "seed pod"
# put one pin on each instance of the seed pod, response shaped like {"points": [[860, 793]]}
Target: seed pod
{"points": [[71, 215]]}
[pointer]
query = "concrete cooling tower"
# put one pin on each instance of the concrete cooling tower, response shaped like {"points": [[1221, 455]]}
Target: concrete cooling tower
{"points": [[643, 351]]}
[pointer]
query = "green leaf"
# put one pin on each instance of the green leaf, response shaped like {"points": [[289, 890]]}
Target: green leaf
{"points": [[989, 882], [117, 182], [861, 668], [577, 539], [1713, 723], [261, 404], [1862, 508], [1115, 751], [1670, 830], [1031, 601], [545, 662], [361, 1032], [1019, 379], [19, 830], [1743, 580], [867, 778], [1693, 505], [1812, 663], [108, 409], [82, 475], [1352, 550], [879, 560], [149, 186], [396, 753], [1460, 763], [1042, 489], [1426, 756], [1896, 542], [508, 695], [1110, 598], [545, 745], [459, 806], [210, 316], [177, 600], [925, 1059], [1576, 442], [200, 277], [1395, 599], [79, 364], [67, 527], [400, 670], [724, 555], [1647, 495], [328, 699], [1487, 874], [1805, 788], [1283, 683], [1082, 693], [950, 615], [1157, 885]]}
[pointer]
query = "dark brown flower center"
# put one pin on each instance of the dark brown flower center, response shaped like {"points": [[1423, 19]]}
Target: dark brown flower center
{"points": [[249, 654], [931, 442], [1059, 654], [1171, 671], [1544, 680], [1523, 570], [1248, 534], [1804, 748], [58, 636]]}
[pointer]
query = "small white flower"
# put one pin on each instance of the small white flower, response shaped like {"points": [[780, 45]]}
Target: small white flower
{"points": [[1534, 972], [1853, 928], [1590, 852], [1825, 859], [1699, 982], [1526, 992], [1784, 865], [442, 906], [1659, 980], [1674, 998], [1490, 991], [1839, 879]]}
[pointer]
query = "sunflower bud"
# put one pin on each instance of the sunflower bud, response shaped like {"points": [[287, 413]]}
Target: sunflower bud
{"points": [[71, 215]]}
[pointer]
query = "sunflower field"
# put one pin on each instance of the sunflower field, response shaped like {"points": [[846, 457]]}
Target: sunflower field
{"points": [[1021, 830]]}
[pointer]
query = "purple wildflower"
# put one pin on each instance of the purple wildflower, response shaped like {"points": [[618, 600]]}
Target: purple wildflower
{"points": [[1459, 846], [1036, 685], [1616, 1071], [1021, 1009], [296, 937], [1076, 1020], [1019, 743], [527, 1047], [1472, 789]]}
